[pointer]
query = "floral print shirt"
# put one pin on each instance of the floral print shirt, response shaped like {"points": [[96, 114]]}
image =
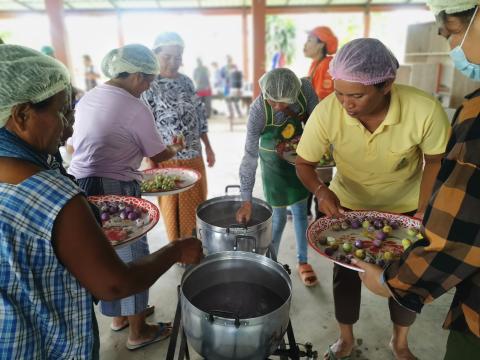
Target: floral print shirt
{"points": [[177, 111]]}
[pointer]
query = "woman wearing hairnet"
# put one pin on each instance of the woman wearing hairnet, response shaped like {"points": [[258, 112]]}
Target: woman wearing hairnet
{"points": [[275, 115], [114, 130], [382, 134], [449, 255], [179, 112], [55, 258]]}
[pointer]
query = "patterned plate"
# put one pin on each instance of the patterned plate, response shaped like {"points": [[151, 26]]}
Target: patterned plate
{"points": [[287, 151], [326, 234], [124, 232], [187, 179]]}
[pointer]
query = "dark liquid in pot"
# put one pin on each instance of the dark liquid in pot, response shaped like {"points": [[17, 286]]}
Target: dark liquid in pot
{"points": [[245, 300]]}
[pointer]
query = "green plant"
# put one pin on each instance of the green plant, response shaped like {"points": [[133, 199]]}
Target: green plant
{"points": [[280, 37]]}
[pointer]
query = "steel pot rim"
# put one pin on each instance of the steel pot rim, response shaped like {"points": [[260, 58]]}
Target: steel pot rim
{"points": [[242, 255]]}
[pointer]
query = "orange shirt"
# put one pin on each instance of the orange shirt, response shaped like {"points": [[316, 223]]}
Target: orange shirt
{"points": [[321, 80]]}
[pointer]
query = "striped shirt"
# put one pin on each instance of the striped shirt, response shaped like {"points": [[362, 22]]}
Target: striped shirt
{"points": [[45, 312], [451, 255]]}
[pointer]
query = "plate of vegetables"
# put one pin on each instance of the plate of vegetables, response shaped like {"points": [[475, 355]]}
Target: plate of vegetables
{"points": [[168, 181], [125, 219], [371, 236], [287, 150]]}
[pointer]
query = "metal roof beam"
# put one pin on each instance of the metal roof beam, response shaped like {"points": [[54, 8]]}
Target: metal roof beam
{"points": [[19, 2]]}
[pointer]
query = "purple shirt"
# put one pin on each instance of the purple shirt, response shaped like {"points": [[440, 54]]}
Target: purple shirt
{"points": [[113, 132]]}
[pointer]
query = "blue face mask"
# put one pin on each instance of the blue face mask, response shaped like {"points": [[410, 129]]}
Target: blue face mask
{"points": [[461, 62]]}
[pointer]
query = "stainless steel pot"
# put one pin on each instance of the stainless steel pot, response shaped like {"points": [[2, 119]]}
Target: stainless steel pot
{"points": [[218, 230], [235, 305]]}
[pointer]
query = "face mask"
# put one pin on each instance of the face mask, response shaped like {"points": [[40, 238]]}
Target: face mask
{"points": [[461, 62]]}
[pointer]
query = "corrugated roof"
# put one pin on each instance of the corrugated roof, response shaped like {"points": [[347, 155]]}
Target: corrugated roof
{"points": [[39, 5]]}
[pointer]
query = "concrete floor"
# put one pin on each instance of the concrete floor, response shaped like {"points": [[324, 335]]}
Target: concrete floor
{"points": [[312, 308]]}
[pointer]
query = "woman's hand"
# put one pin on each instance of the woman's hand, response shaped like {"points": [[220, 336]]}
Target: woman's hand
{"points": [[371, 277], [328, 203], [210, 156], [179, 141], [244, 213]]}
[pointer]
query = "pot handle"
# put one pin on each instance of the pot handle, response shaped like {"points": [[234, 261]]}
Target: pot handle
{"points": [[231, 187], [245, 237], [237, 226], [225, 314]]}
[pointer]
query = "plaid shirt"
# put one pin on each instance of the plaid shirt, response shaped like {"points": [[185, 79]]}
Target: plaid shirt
{"points": [[45, 313], [451, 257]]}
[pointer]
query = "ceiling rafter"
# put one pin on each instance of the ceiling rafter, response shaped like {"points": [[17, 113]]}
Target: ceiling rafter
{"points": [[22, 3]]}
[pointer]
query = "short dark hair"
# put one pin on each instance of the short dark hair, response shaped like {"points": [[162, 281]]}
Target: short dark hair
{"points": [[380, 85], [464, 16]]}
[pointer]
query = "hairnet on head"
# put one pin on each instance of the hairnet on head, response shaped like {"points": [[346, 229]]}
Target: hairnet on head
{"points": [[131, 59], [326, 35], [280, 85], [28, 76], [366, 61], [168, 39], [451, 6]]}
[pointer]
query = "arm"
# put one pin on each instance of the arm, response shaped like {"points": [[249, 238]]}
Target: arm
{"points": [[248, 166], [208, 150], [310, 150], [310, 95], [430, 172], [83, 249], [328, 202]]}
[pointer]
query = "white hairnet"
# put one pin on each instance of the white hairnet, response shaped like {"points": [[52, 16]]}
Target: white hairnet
{"points": [[168, 39], [451, 6], [280, 85], [131, 59], [28, 76], [366, 61]]}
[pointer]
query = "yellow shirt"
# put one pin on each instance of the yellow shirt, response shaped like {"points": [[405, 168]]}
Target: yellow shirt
{"points": [[379, 171]]}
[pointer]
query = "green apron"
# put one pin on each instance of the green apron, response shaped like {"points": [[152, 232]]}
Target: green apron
{"points": [[281, 185]]}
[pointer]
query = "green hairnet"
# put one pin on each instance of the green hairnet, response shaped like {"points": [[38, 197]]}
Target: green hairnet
{"points": [[168, 39], [451, 6], [280, 85], [130, 59], [28, 76]]}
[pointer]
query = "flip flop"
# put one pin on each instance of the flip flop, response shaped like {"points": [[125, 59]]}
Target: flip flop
{"points": [[164, 331], [148, 312], [307, 275], [331, 355]]}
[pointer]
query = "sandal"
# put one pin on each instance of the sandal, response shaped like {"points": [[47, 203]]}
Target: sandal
{"points": [[164, 331], [307, 274], [331, 355]]}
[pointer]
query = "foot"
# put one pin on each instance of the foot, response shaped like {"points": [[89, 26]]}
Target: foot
{"points": [[341, 348], [401, 352], [307, 275], [119, 323], [149, 333]]}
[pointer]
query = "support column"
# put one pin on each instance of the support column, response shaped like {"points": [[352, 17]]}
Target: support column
{"points": [[258, 18], [121, 36], [366, 22], [58, 34], [246, 55]]}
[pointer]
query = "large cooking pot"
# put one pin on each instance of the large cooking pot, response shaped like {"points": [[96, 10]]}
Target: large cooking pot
{"points": [[235, 305], [218, 230]]}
